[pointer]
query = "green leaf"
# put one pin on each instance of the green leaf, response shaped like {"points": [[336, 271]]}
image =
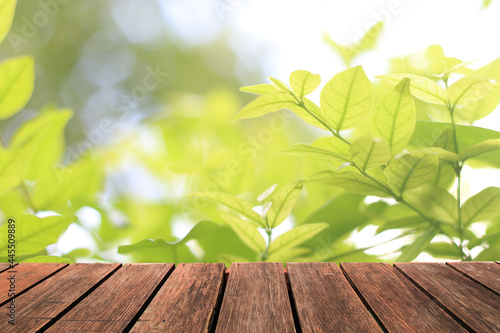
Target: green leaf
{"points": [[16, 84], [74, 185], [52, 123], [458, 67], [310, 151], [352, 182], [369, 152], [265, 104], [49, 260], [410, 222], [482, 206], [370, 38], [288, 255], [14, 163], [34, 234], [434, 202], [283, 202], [411, 251], [259, 89], [468, 89], [489, 254], [264, 195], [394, 118], [333, 144], [346, 99], [247, 233], [13, 167], [228, 259], [281, 86], [159, 242], [240, 206], [306, 116], [443, 155], [426, 133], [480, 148], [443, 250], [304, 82], [296, 236], [346, 52], [7, 9], [486, 3], [421, 87], [410, 171]]}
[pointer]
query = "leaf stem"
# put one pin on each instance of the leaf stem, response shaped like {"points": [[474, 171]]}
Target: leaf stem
{"points": [[269, 232], [458, 171], [400, 199], [301, 104]]}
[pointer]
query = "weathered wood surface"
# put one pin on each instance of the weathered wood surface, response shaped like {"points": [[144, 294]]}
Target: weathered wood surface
{"points": [[43, 304], [485, 273], [476, 306], [325, 301], [4, 267], [187, 302], [254, 297], [25, 276], [397, 303], [256, 300], [116, 302]]}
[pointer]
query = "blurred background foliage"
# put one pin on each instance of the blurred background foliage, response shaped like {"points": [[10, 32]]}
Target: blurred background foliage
{"points": [[132, 117]]}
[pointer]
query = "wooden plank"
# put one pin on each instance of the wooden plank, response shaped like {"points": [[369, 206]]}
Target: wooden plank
{"points": [[4, 267], [43, 304], [187, 302], [475, 305], [25, 276], [115, 303], [325, 300], [398, 304], [485, 273], [256, 300]]}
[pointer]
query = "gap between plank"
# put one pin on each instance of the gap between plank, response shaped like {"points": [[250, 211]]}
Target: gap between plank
{"points": [[435, 300], [474, 280], [149, 300], [72, 305], [365, 303], [212, 324], [295, 313], [34, 285]]}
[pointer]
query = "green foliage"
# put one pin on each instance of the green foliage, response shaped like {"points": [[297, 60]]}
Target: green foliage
{"points": [[394, 119], [16, 86], [349, 52], [7, 8], [34, 234], [394, 154], [405, 137], [275, 208], [346, 99], [31, 177]]}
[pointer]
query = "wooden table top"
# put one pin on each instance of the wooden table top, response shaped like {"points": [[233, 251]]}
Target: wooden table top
{"points": [[251, 297]]}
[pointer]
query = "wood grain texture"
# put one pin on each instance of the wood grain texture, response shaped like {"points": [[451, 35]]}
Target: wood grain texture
{"points": [[46, 301], [115, 303], [4, 266], [256, 300], [26, 275], [476, 306], [187, 302], [325, 300], [486, 273], [398, 304]]}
